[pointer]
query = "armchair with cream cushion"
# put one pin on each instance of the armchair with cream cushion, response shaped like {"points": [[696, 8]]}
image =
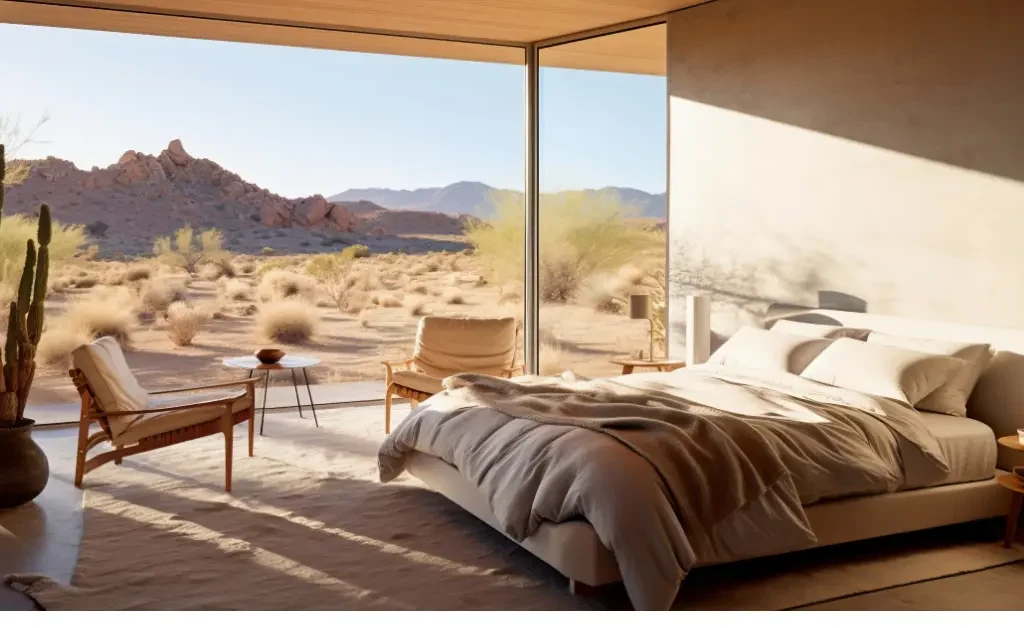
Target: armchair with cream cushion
{"points": [[446, 346], [134, 420]]}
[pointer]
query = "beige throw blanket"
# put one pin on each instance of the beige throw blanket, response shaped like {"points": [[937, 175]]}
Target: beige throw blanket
{"points": [[671, 470]]}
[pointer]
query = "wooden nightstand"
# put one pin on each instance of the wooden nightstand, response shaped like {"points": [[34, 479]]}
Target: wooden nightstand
{"points": [[628, 364], [1012, 483]]}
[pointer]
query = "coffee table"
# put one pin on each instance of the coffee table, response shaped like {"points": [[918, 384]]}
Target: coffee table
{"points": [[290, 363]]}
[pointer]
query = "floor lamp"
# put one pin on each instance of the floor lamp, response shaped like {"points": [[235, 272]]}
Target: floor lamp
{"points": [[640, 308]]}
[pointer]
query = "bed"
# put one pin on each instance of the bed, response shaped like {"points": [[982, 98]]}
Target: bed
{"points": [[967, 490]]}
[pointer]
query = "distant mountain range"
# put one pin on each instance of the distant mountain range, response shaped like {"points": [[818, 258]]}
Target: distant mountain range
{"points": [[477, 199]]}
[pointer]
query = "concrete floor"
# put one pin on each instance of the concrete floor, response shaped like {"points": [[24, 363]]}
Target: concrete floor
{"points": [[44, 537]]}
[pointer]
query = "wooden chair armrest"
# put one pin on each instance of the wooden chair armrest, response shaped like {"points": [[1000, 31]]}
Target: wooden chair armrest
{"points": [[390, 364], [515, 370], [240, 382], [226, 401]]}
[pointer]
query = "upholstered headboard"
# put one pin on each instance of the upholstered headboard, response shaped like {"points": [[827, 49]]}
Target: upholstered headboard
{"points": [[997, 400]]}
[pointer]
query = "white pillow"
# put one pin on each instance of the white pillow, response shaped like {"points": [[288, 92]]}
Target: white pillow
{"points": [[876, 369], [951, 397], [772, 351], [811, 330]]}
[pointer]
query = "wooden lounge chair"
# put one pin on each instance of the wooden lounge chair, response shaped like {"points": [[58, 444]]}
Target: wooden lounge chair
{"points": [[133, 420], [446, 346]]}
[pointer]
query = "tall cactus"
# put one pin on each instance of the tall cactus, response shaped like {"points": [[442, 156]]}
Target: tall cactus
{"points": [[25, 322]]}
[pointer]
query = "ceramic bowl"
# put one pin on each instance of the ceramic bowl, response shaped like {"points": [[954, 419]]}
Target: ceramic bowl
{"points": [[269, 356]]}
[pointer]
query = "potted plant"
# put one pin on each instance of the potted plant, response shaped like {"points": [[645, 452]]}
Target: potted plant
{"points": [[24, 470]]}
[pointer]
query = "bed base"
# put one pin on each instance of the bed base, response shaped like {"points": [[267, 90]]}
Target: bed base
{"points": [[573, 549]]}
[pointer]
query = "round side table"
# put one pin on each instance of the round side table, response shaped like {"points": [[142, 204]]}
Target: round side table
{"points": [[290, 363], [663, 365], [1012, 483]]}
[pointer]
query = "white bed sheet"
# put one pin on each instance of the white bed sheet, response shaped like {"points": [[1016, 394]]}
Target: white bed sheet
{"points": [[969, 446]]}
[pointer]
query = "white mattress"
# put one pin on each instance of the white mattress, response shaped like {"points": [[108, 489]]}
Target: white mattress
{"points": [[969, 446]]}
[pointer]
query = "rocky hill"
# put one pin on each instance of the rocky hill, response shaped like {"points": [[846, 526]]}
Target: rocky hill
{"points": [[477, 199], [127, 204]]}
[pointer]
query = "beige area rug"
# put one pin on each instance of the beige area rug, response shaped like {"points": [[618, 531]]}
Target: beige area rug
{"points": [[309, 527]]}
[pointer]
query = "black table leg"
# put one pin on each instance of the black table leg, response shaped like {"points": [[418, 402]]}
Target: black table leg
{"points": [[305, 378], [295, 385], [263, 412]]}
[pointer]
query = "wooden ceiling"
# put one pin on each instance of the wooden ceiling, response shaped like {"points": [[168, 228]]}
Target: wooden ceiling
{"points": [[433, 28]]}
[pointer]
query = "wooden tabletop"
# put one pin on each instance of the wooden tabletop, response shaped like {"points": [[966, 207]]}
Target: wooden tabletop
{"points": [[1013, 442], [1012, 482], [627, 361], [287, 362]]}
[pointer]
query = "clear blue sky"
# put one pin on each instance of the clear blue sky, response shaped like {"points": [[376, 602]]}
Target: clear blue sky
{"points": [[301, 121]]}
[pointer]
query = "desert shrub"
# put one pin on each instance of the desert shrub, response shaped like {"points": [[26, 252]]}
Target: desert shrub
{"points": [[137, 273], [583, 234], [209, 272], [266, 251], [386, 300], [184, 322], [333, 273], [225, 265], [454, 297], [290, 322], [418, 289], [356, 302], [86, 281], [158, 294], [554, 360], [364, 319], [113, 277], [58, 285], [106, 314], [56, 345], [237, 290], [66, 241], [356, 251], [246, 310], [604, 294], [279, 284], [364, 280], [247, 267], [187, 252], [419, 308]]}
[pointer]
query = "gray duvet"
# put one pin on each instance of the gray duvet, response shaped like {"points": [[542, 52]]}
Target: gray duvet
{"points": [[672, 470]]}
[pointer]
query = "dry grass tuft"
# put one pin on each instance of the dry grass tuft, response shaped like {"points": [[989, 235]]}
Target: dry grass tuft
{"points": [[86, 281], [454, 297], [158, 294], [113, 277], [554, 360], [246, 310], [238, 290], [184, 322], [419, 308], [364, 318], [279, 284], [603, 294], [56, 345], [58, 285], [418, 289], [386, 300], [105, 314], [356, 303], [289, 322], [137, 273]]}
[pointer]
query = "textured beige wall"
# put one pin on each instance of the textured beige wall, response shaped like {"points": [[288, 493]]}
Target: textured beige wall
{"points": [[873, 148]]}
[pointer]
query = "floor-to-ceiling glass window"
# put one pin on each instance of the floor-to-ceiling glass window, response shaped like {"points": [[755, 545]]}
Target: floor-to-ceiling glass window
{"points": [[603, 201], [219, 197]]}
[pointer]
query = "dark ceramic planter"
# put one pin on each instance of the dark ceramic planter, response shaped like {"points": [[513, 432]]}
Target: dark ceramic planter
{"points": [[24, 470]]}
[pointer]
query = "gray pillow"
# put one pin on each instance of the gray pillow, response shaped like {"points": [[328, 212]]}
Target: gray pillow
{"points": [[811, 330], [951, 397]]}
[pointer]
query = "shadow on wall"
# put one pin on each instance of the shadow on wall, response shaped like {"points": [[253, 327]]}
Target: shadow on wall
{"points": [[939, 80], [760, 293]]}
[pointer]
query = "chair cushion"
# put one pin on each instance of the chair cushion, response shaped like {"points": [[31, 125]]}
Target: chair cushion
{"points": [[139, 427], [445, 346], [418, 381], [110, 379]]}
